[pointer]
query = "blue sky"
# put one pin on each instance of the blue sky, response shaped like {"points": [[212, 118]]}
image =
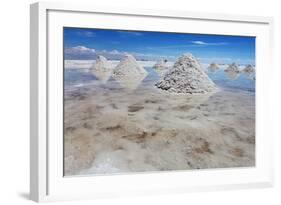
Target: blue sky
{"points": [[208, 48]]}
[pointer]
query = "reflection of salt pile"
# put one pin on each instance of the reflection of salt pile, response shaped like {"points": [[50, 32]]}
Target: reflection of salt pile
{"points": [[102, 69], [186, 76], [232, 71], [213, 67], [160, 67], [249, 70], [128, 73]]}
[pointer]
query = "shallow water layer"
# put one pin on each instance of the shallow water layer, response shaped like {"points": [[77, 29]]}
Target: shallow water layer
{"points": [[113, 129]]}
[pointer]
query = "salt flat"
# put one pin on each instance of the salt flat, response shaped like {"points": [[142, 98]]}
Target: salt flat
{"points": [[111, 129]]}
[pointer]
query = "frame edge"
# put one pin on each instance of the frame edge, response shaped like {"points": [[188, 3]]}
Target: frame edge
{"points": [[38, 22], [38, 103], [34, 175]]}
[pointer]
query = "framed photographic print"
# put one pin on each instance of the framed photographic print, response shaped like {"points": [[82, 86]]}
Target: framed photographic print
{"points": [[127, 102]]}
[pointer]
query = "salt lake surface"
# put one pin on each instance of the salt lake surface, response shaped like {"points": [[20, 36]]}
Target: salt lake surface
{"points": [[113, 129]]}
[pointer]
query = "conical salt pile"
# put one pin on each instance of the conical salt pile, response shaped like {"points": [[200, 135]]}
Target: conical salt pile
{"points": [[128, 73], [232, 68], [232, 71], [186, 76], [129, 66], [102, 69], [249, 69], [213, 67]]}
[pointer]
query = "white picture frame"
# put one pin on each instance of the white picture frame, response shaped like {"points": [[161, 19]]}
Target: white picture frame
{"points": [[46, 179]]}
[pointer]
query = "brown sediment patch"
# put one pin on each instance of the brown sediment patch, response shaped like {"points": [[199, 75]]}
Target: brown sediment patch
{"points": [[117, 147], [87, 125], [237, 152], [251, 139], [230, 131], [184, 107], [82, 97], [77, 95], [113, 128], [138, 137], [154, 133], [189, 164], [203, 148], [228, 113], [163, 133], [70, 129], [156, 118], [99, 106], [151, 101], [193, 117], [135, 108]]}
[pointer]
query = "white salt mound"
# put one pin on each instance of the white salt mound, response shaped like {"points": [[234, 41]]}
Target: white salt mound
{"points": [[213, 67], [129, 73], [232, 71], [186, 76], [249, 69], [232, 68], [129, 66], [102, 69]]}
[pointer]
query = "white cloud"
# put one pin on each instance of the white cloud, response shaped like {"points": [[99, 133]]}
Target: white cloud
{"points": [[85, 53], [198, 42], [115, 52], [191, 44], [80, 49], [79, 52], [203, 43]]}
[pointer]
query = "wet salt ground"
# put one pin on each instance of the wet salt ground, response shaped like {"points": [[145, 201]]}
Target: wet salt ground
{"points": [[243, 82], [110, 129], [81, 77]]}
